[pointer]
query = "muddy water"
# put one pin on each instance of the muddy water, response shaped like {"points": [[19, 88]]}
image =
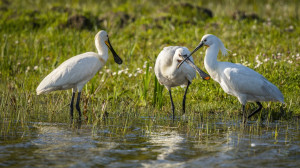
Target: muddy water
{"points": [[215, 144]]}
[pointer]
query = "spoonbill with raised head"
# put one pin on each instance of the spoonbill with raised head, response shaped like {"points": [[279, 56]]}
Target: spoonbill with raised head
{"points": [[236, 79], [75, 72], [168, 75]]}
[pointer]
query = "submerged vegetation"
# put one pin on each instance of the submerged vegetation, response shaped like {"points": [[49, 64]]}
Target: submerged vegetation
{"points": [[37, 36]]}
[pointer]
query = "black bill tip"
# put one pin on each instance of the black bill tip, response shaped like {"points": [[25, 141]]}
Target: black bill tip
{"points": [[203, 75], [117, 59]]}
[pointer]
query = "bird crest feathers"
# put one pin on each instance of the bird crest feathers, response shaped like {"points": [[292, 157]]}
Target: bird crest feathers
{"points": [[222, 48]]}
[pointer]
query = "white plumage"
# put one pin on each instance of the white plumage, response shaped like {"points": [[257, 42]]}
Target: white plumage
{"points": [[244, 83], [236, 79], [75, 72], [166, 67], [167, 73]]}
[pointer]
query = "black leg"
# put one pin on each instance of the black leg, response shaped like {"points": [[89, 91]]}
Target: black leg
{"points": [[172, 104], [77, 104], [71, 105], [243, 110], [184, 97], [257, 110]]}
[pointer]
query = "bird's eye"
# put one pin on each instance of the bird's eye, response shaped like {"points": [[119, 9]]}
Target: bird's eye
{"points": [[205, 40]]}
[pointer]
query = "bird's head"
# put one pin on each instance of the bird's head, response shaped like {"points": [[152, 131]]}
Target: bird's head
{"points": [[208, 40], [180, 54], [101, 37]]}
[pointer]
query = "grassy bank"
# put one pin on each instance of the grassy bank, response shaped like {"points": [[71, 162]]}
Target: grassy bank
{"points": [[38, 36]]}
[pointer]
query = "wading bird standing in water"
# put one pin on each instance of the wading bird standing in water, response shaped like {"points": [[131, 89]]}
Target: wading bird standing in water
{"points": [[168, 75], [75, 72], [236, 79]]}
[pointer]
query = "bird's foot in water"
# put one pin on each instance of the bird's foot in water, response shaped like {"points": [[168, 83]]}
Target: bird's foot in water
{"points": [[244, 121], [183, 117]]}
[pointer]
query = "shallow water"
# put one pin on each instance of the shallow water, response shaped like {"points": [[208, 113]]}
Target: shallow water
{"points": [[215, 144]]}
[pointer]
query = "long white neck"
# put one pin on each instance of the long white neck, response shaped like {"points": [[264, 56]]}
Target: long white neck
{"points": [[102, 48], [210, 60]]}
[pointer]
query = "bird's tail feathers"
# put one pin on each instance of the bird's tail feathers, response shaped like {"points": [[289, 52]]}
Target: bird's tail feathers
{"points": [[273, 91], [39, 92], [44, 90]]}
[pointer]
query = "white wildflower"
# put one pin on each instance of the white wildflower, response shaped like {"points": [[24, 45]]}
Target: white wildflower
{"points": [[257, 61], [245, 63], [266, 60], [257, 65], [108, 71], [27, 69], [35, 67], [234, 54], [130, 75], [290, 61], [120, 72], [114, 73]]}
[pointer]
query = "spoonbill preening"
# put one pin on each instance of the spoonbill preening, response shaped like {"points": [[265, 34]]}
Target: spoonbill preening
{"points": [[168, 75]]}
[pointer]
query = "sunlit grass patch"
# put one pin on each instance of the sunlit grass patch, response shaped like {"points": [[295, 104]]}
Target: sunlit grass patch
{"points": [[33, 43]]}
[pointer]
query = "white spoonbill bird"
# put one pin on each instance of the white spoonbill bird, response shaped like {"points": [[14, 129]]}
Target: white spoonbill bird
{"points": [[236, 79], [75, 72], [168, 75]]}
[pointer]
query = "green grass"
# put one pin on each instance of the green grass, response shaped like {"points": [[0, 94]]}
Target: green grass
{"points": [[34, 41]]}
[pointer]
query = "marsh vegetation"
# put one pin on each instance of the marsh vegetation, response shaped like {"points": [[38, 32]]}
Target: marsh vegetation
{"points": [[127, 116]]}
